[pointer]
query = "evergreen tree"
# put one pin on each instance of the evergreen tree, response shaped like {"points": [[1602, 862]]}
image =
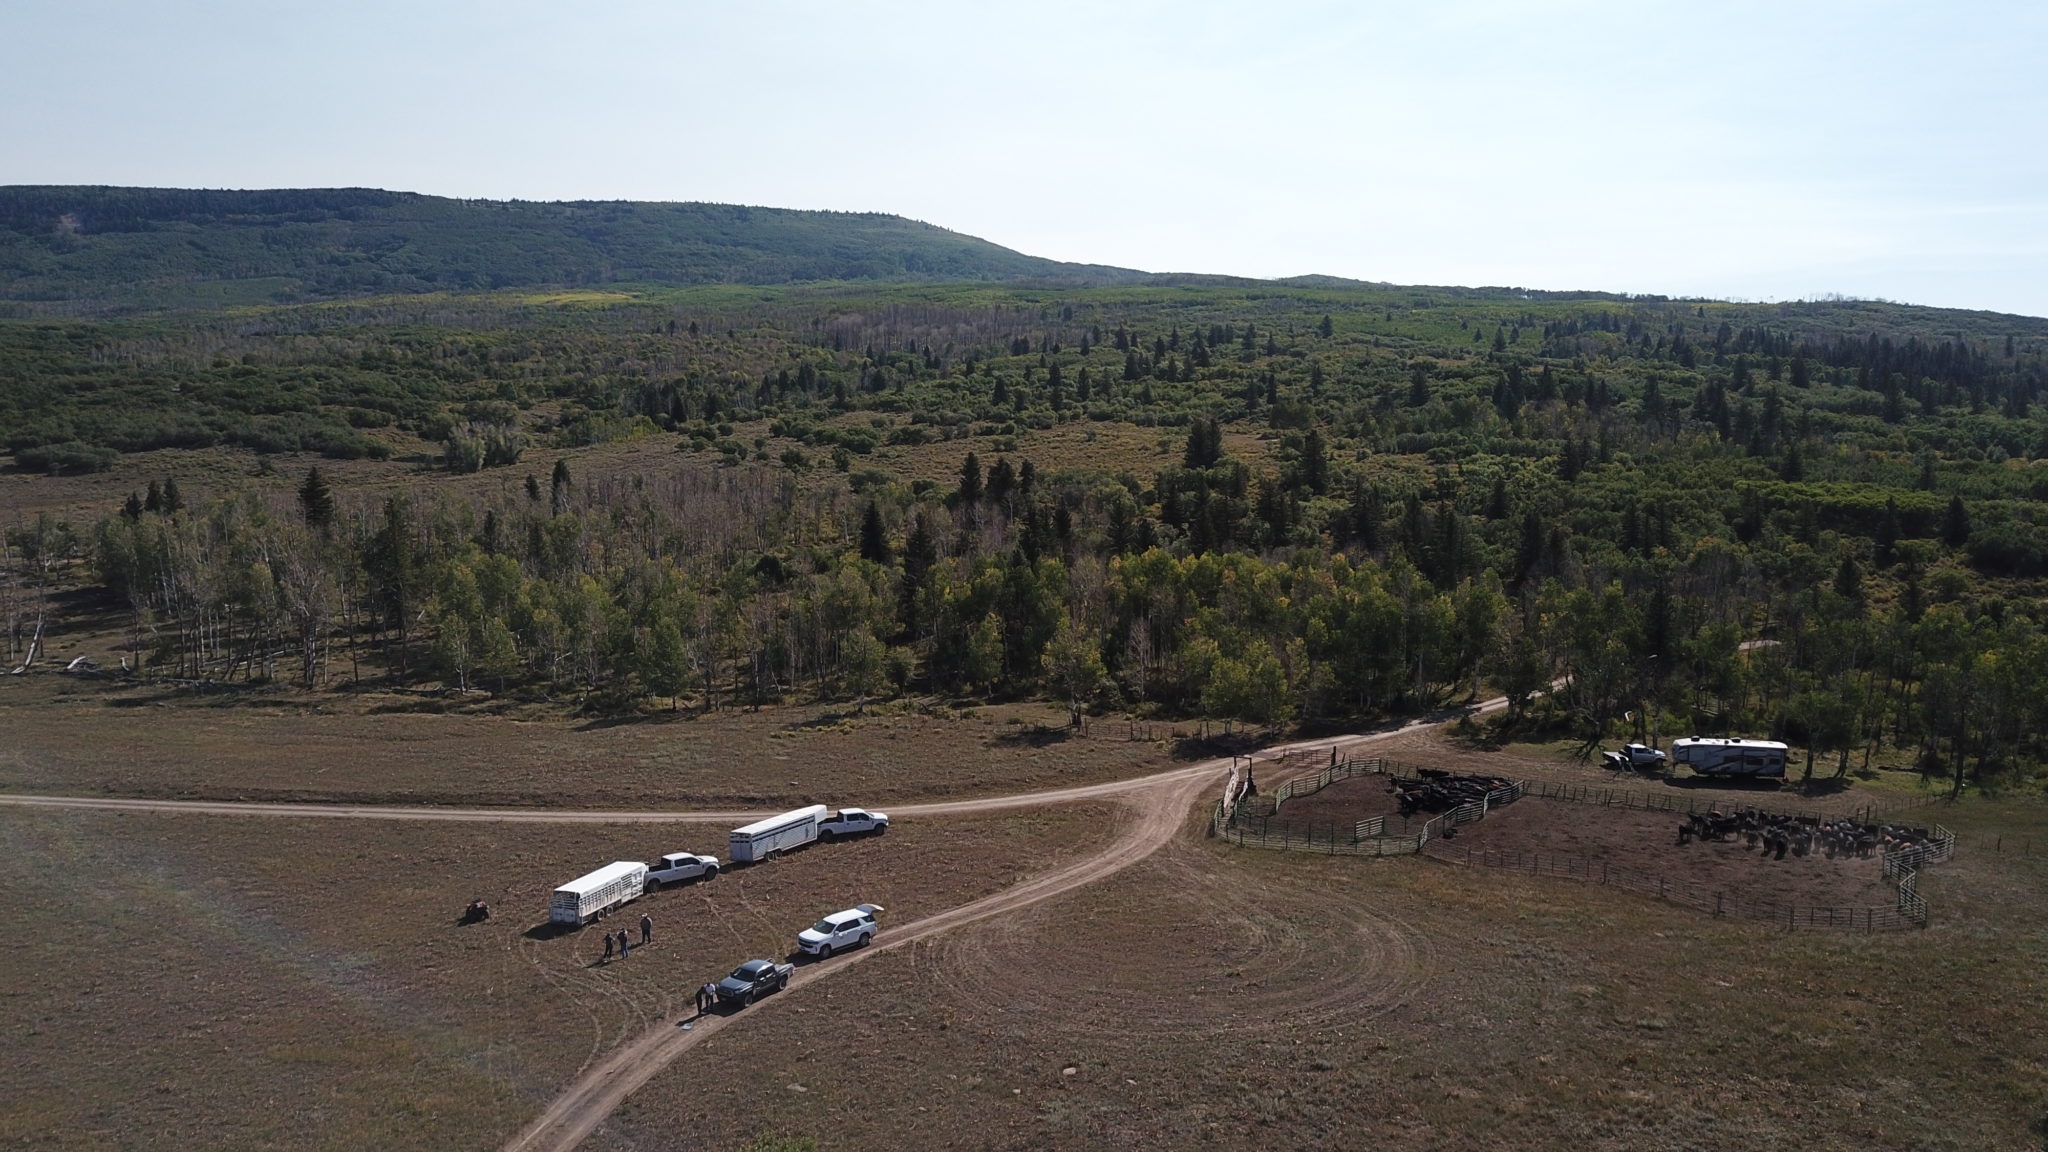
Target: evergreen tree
{"points": [[1315, 463], [1002, 480], [558, 488], [970, 480], [1849, 578], [316, 502], [1955, 525], [874, 539]]}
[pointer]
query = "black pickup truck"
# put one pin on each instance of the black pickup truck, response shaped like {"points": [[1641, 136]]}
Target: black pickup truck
{"points": [[753, 979]]}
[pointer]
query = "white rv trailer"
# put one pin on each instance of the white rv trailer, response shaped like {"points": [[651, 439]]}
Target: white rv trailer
{"points": [[587, 897], [764, 838], [1713, 756]]}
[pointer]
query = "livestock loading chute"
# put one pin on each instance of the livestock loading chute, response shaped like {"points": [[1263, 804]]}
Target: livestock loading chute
{"points": [[1716, 756], [764, 838], [587, 897]]}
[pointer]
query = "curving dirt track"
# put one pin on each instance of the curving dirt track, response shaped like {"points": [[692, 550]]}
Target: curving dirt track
{"points": [[1249, 958]]}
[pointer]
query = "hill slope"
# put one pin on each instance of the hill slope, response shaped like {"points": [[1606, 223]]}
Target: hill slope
{"points": [[144, 246]]}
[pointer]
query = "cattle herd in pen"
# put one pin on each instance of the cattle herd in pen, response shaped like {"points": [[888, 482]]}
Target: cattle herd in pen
{"points": [[1776, 834], [1439, 791], [1772, 835]]}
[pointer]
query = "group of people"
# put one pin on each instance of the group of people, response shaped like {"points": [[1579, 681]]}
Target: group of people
{"points": [[625, 942]]}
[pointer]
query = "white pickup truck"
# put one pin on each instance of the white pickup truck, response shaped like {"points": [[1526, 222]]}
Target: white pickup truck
{"points": [[1636, 756], [852, 822], [677, 867]]}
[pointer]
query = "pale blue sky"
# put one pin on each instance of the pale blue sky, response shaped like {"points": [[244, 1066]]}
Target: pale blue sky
{"points": [[1749, 150]]}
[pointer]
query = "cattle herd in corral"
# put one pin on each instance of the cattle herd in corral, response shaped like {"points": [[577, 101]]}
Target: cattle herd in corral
{"points": [[1778, 834], [1440, 791]]}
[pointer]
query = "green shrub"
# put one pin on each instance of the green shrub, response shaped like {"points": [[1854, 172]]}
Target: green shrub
{"points": [[70, 456]]}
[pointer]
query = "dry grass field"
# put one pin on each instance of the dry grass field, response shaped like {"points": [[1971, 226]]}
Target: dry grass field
{"points": [[69, 736], [228, 982]]}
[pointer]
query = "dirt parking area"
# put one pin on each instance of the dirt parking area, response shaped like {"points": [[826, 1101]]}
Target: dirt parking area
{"points": [[198, 981]]}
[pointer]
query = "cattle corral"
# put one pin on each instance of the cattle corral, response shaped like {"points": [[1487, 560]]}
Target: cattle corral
{"points": [[1797, 870]]}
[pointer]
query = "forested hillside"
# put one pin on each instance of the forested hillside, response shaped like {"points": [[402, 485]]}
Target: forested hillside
{"points": [[1262, 502], [162, 247]]}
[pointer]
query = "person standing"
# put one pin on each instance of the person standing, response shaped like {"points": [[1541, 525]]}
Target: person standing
{"points": [[607, 947], [646, 930], [625, 944]]}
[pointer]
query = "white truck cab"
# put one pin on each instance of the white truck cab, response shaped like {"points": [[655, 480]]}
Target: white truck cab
{"points": [[852, 822], [677, 867], [839, 931]]}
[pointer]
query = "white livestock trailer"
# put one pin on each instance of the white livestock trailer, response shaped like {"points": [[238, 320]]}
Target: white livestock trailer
{"points": [[587, 897], [764, 838]]}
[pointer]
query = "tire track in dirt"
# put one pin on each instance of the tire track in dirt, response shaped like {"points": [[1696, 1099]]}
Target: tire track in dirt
{"points": [[1252, 958]]}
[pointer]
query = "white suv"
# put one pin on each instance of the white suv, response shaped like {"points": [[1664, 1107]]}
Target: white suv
{"points": [[849, 929]]}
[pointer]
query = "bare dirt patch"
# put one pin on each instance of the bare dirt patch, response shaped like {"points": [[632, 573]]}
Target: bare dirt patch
{"points": [[1346, 802], [171, 970]]}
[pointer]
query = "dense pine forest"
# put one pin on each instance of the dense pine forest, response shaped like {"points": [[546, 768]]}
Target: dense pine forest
{"points": [[1273, 503]]}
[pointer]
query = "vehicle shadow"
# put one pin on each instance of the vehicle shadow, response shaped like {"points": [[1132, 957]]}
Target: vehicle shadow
{"points": [[1726, 783]]}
